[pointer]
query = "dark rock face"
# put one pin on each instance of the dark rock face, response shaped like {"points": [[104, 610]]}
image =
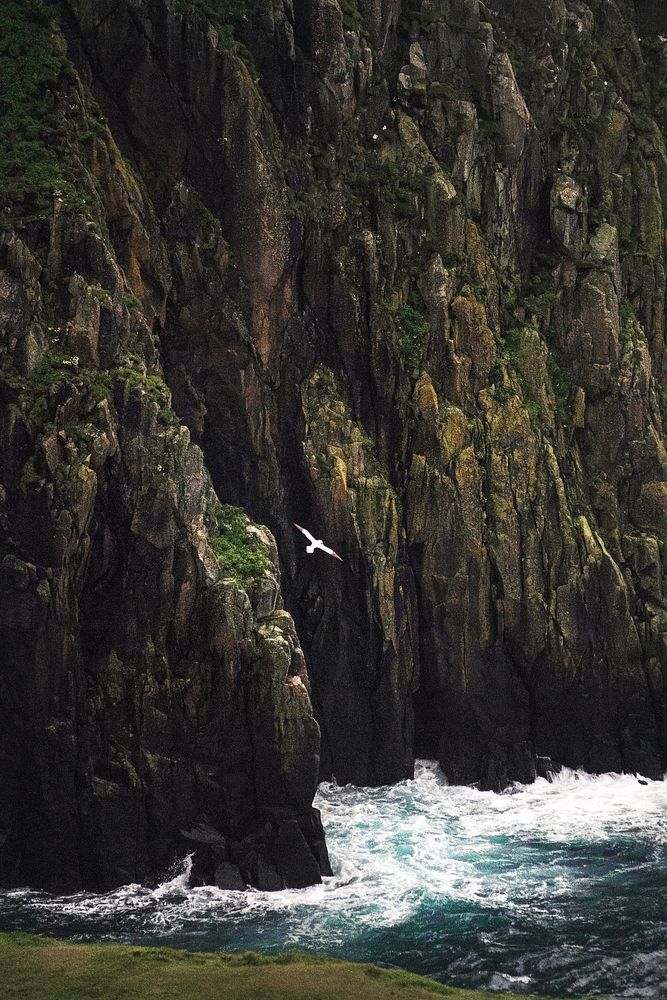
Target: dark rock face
{"points": [[141, 688], [150, 678], [403, 270]]}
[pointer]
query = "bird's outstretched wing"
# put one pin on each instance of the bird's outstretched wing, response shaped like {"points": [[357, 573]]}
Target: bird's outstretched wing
{"points": [[304, 531], [330, 552]]}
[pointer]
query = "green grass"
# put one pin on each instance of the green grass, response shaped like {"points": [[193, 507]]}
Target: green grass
{"points": [[629, 319], [139, 382], [42, 969], [55, 369], [131, 302], [394, 183], [234, 547], [324, 387], [92, 385], [542, 294]]}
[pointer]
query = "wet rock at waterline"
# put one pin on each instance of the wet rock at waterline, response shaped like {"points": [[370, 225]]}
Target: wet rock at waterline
{"points": [[553, 888], [397, 275]]}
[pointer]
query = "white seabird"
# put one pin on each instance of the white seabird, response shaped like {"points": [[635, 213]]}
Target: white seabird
{"points": [[316, 543]]}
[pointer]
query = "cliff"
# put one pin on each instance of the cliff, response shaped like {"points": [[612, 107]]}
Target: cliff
{"points": [[393, 270]]}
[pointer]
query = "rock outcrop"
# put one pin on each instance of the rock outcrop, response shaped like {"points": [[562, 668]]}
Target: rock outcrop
{"points": [[394, 270]]}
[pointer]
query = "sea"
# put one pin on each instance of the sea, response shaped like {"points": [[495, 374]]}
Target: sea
{"points": [[555, 887]]}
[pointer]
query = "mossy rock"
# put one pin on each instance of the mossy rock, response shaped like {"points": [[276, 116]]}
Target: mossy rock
{"points": [[237, 548]]}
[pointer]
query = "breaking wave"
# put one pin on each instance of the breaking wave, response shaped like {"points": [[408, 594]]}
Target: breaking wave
{"points": [[555, 887]]}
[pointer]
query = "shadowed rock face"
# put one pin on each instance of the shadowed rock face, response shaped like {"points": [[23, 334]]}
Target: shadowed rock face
{"points": [[144, 685], [151, 681], [402, 267]]}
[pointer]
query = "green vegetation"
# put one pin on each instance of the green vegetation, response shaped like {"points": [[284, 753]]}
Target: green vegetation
{"points": [[447, 91], [30, 126], [542, 294], [351, 15], [29, 477], [103, 296], [585, 127], [137, 381], [628, 318], [390, 182], [533, 411], [131, 302], [207, 218], [59, 379], [56, 371], [511, 344], [414, 335], [36, 968], [82, 435], [53, 369], [151, 387], [630, 245], [324, 387], [514, 354], [312, 203], [43, 124], [627, 312], [234, 546], [503, 393]]}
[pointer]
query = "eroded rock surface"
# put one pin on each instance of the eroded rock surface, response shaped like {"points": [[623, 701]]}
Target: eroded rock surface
{"points": [[399, 269]]}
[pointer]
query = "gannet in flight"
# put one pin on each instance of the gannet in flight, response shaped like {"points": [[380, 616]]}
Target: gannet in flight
{"points": [[316, 543]]}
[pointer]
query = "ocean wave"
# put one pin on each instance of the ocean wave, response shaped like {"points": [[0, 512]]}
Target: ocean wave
{"points": [[556, 887]]}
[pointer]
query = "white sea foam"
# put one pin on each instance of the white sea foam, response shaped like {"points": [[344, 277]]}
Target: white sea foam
{"points": [[555, 887]]}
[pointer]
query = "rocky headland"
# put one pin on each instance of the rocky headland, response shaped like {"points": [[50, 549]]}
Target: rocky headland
{"points": [[394, 270]]}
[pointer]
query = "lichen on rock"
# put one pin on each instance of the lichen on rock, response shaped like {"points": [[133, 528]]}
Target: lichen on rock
{"points": [[396, 273]]}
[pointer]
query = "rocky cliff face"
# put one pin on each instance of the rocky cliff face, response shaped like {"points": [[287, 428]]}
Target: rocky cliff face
{"points": [[393, 270]]}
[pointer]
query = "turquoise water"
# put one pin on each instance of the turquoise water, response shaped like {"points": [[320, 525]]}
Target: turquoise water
{"points": [[557, 888]]}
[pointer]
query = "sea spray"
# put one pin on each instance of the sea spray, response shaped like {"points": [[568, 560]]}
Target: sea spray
{"points": [[553, 887]]}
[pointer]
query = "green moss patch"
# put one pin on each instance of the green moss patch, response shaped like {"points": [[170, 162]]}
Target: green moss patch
{"points": [[235, 547], [57, 371], [351, 15], [43, 122], [414, 335]]}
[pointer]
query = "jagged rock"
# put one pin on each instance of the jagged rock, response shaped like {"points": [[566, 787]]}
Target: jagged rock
{"points": [[568, 214], [414, 75], [227, 876], [293, 857], [427, 320], [265, 876], [546, 768], [513, 114]]}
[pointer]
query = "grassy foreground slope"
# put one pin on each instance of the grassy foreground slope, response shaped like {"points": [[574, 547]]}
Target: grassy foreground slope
{"points": [[44, 969]]}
